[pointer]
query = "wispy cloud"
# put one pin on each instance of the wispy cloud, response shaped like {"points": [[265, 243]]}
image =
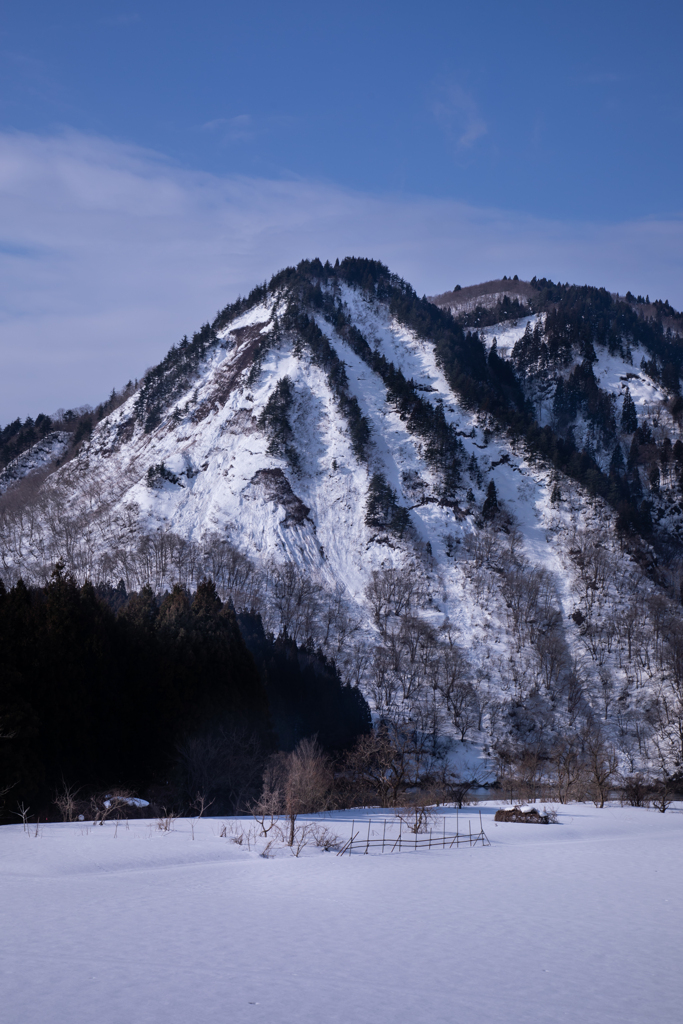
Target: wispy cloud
{"points": [[458, 115], [110, 253], [246, 127], [232, 129]]}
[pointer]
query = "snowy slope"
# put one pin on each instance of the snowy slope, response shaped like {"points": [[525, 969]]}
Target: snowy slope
{"points": [[219, 455], [507, 335], [38, 456], [540, 634], [614, 374]]}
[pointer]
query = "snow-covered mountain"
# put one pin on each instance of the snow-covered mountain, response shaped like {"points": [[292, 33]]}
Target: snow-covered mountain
{"points": [[326, 450]]}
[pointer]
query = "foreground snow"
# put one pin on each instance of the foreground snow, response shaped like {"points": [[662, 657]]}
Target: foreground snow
{"points": [[579, 921]]}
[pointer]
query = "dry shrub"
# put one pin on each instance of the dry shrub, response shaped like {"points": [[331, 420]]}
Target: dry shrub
{"points": [[303, 835], [636, 790], [66, 802], [166, 821], [418, 819], [238, 834], [325, 838]]}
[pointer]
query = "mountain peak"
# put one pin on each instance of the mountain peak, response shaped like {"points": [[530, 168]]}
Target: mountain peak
{"points": [[377, 474]]}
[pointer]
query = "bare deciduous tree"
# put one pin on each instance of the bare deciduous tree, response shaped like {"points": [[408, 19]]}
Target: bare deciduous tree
{"points": [[568, 768], [298, 783], [389, 760], [602, 764], [463, 708]]}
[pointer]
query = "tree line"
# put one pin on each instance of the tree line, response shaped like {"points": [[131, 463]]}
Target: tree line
{"points": [[101, 688], [17, 437]]}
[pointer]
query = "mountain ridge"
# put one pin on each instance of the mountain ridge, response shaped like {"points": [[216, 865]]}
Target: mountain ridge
{"points": [[374, 475]]}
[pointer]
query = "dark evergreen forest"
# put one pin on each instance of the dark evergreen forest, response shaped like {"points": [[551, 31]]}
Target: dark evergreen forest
{"points": [[101, 689]]}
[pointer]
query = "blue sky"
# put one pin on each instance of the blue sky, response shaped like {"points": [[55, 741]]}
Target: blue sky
{"points": [[158, 158]]}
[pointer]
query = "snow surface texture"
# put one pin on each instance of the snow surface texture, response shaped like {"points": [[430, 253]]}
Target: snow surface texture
{"points": [[561, 923]]}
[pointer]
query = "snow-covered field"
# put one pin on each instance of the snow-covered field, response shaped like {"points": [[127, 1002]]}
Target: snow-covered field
{"points": [[579, 921]]}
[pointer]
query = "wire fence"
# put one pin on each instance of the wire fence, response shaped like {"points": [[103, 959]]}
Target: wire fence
{"points": [[396, 835]]}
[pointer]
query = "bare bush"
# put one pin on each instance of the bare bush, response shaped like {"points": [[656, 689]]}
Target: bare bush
{"points": [[324, 838], [23, 813], [66, 802], [300, 837], [662, 794], [240, 834], [636, 790], [167, 820], [418, 819], [456, 785]]}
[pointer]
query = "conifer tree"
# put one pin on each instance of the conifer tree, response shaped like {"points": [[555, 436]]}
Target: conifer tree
{"points": [[275, 420], [617, 464], [629, 418], [491, 504], [382, 509]]}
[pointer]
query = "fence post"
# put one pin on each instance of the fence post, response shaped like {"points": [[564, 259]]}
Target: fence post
{"points": [[384, 832], [351, 843], [444, 831], [367, 844]]}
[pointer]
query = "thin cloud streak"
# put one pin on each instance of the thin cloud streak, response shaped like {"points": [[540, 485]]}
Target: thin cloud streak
{"points": [[109, 254], [458, 115]]}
